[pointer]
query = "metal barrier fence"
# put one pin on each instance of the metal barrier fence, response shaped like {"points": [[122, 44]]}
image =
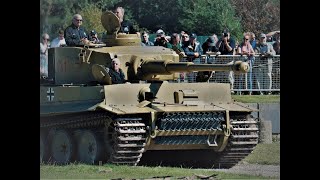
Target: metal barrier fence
{"points": [[262, 78]]}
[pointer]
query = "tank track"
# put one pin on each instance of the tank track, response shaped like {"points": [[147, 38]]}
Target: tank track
{"points": [[243, 139], [129, 142], [126, 136], [241, 142]]}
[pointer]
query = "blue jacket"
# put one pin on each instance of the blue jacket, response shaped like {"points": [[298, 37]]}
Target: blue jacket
{"points": [[73, 35], [189, 50]]}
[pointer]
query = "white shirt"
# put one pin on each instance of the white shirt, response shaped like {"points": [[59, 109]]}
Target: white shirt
{"points": [[57, 42]]}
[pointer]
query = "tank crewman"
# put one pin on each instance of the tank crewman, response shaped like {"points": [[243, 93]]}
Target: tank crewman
{"points": [[74, 34], [126, 26], [116, 73]]}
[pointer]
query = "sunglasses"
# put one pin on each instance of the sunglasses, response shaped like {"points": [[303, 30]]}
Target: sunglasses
{"points": [[79, 20]]}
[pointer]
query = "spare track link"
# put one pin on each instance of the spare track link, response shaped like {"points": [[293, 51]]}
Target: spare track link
{"points": [[129, 141], [244, 137]]}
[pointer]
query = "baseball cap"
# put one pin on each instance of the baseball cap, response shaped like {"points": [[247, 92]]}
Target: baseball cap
{"points": [[160, 32], [226, 30], [210, 40], [263, 35], [193, 35], [93, 32]]}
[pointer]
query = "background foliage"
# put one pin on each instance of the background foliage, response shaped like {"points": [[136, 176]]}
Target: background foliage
{"points": [[203, 17]]}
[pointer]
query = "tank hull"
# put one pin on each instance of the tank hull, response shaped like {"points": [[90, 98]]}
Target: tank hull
{"points": [[127, 129]]}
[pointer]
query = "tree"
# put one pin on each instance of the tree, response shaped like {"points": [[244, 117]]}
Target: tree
{"points": [[258, 15], [92, 16], [45, 10], [210, 16]]}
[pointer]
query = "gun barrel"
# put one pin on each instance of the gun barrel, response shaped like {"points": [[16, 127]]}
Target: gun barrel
{"points": [[169, 67]]}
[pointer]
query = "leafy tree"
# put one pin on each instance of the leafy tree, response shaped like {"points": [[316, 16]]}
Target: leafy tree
{"points": [[203, 17], [200, 16], [210, 16], [258, 15], [92, 18], [45, 11]]}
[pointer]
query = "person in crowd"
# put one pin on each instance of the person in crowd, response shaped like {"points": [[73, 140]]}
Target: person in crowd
{"points": [[59, 41], [116, 73], [145, 40], [175, 44], [264, 77], [226, 46], [246, 50], [161, 39], [75, 35], [181, 35], [192, 49], [269, 38], [44, 46], [185, 39], [253, 41], [209, 45], [126, 25], [94, 37], [276, 44]]}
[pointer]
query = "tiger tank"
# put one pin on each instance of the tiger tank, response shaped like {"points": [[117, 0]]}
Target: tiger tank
{"points": [[150, 119]]}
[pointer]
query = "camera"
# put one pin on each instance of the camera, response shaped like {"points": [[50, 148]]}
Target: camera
{"points": [[162, 38], [225, 34]]}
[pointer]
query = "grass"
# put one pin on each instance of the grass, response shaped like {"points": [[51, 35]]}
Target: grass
{"points": [[109, 171], [268, 154], [257, 98]]}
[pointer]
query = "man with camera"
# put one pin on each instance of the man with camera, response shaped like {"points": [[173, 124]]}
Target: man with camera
{"points": [[161, 39], [226, 44]]}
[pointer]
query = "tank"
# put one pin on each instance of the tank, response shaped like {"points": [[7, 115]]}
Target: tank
{"points": [[149, 120]]}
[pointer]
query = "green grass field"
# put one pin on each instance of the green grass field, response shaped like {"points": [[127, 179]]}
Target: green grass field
{"points": [[268, 154], [108, 171]]}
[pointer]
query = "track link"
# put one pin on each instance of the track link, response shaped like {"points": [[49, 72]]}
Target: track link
{"points": [[129, 141], [243, 139]]}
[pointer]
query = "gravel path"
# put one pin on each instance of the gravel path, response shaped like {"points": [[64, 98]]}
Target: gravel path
{"points": [[254, 169]]}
